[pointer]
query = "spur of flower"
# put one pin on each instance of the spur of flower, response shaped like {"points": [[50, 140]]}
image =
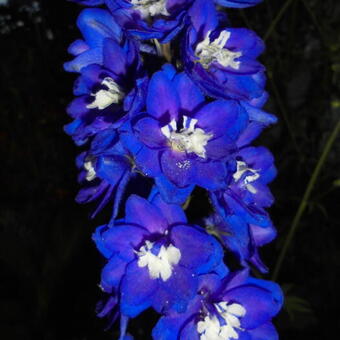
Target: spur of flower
{"points": [[181, 138], [155, 257], [151, 19], [222, 61], [112, 82], [237, 307]]}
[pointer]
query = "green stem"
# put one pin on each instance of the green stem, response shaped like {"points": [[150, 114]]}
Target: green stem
{"points": [[277, 19], [305, 199]]}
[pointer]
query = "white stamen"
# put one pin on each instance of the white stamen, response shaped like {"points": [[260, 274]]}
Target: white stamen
{"points": [[91, 173], [241, 168], [104, 98], [208, 51], [161, 265], [211, 329], [150, 8], [188, 139]]}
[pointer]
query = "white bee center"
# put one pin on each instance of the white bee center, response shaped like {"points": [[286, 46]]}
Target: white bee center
{"points": [[104, 98], [241, 168], [150, 8], [161, 265], [91, 173], [208, 51], [211, 329], [188, 139]]}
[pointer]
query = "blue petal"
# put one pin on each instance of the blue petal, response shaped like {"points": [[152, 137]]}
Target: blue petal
{"points": [[91, 56], [113, 241], [210, 175], [137, 290], [149, 132], [112, 274], [115, 58], [162, 98], [96, 25], [172, 212], [260, 304], [177, 291], [178, 167], [141, 212], [264, 332], [200, 252], [148, 161], [170, 192], [203, 16], [189, 94], [77, 47], [256, 114], [112, 168]]}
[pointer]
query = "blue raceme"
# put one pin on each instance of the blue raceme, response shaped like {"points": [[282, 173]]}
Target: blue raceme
{"points": [[161, 129]]}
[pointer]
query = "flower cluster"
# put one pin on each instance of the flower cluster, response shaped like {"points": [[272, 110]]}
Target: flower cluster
{"points": [[162, 129]]}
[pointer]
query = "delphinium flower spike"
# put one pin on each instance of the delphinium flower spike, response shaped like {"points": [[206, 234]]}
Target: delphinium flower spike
{"points": [[152, 131]]}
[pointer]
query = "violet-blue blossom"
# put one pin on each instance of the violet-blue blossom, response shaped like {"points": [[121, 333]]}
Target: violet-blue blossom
{"points": [[237, 307], [151, 19], [240, 218], [181, 138], [222, 61], [112, 82], [154, 246], [105, 171], [167, 130]]}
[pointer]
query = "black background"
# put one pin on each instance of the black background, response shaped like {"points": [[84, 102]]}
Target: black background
{"points": [[50, 268]]}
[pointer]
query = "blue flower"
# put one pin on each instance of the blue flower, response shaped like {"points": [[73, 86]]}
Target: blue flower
{"points": [[155, 19], [238, 307], [182, 139], [112, 82], [242, 238], [240, 220], [105, 171], [222, 61], [97, 25], [154, 257]]}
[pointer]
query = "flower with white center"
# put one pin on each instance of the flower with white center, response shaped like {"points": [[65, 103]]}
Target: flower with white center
{"points": [[104, 98], [150, 8], [241, 169], [211, 329], [208, 51], [188, 139], [91, 172], [160, 265]]}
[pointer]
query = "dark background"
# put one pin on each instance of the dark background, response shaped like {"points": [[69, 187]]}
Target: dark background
{"points": [[49, 268]]}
